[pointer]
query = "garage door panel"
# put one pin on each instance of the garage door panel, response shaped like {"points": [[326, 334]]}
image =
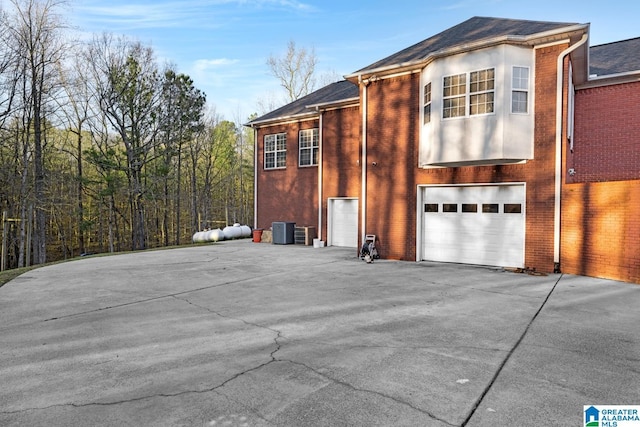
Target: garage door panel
{"points": [[344, 222], [480, 231]]}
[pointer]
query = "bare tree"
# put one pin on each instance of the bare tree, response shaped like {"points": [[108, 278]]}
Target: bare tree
{"points": [[77, 114], [9, 68], [35, 35], [295, 70]]}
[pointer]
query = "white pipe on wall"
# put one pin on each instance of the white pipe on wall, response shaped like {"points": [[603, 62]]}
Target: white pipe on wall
{"points": [[255, 178], [320, 176], [558, 177], [363, 162]]}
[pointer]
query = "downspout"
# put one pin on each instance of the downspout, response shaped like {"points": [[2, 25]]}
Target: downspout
{"points": [[320, 170], [255, 178], [363, 161], [558, 182]]}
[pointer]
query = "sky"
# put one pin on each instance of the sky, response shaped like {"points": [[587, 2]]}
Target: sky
{"points": [[223, 45]]}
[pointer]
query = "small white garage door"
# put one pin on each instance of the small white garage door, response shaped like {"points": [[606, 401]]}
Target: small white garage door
{"points": [[474, 224], [343, 222]]}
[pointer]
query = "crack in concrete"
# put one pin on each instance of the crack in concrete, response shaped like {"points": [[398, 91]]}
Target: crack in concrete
{"points": [[323, 375], [203, 288], [363, 390], [272, 359], [239, 319], [428, 348], [489, 386], [141, 398], [142, 301]]}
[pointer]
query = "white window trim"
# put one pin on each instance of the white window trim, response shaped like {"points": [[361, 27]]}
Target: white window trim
{"points": [[426, 103], [482, 92], [275, 151], [467, 95], [528, 91], [315, 141]]}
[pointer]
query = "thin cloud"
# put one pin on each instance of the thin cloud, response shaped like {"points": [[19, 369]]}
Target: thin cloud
{"points": [[203, 65], [172, 14], [140, 15]]}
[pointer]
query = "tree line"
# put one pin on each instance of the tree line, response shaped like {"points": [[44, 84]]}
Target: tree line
{"points": [[103, 149]]}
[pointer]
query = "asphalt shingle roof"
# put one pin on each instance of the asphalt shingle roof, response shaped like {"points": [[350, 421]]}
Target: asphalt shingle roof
{"points": [[334, 92], [606, 59], [470, 31], [613, 58]]}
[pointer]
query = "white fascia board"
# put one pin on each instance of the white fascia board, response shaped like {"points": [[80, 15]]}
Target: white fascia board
{"points": [[529, 40], [283, 119], [335, 104]]}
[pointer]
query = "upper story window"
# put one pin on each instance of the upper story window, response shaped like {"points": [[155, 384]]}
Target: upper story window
{"points": [[475, 89], [308, 143], [520, 90], [427, 103], [454, 96], [275, 151], [481, 91]]}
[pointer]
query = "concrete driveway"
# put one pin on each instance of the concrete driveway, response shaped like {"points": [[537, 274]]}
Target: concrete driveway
{"points": [[245, 334]]}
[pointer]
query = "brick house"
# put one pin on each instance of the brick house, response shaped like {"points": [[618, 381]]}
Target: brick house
{"points": [[489, 143]]}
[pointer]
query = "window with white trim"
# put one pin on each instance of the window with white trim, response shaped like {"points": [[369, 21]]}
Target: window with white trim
{"points": [[427, 103], [275, 151], [475, 89], [520, 90], [454, 96], [481, 91], [308, 146]]}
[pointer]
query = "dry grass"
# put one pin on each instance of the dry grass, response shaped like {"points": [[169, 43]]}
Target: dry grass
{"points": [[8, 275]]}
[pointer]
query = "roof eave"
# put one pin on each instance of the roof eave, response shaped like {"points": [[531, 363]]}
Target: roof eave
{"points": [[313, 112], [335, 104], [610, 79], [281, 119], [530, 40]]}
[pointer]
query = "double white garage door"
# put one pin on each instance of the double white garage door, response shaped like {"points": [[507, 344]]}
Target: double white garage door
{"points": [[474, 224]]}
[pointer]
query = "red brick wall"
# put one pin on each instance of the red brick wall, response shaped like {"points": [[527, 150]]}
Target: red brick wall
{"points": [[607, 134], [393, 117], [392, 142], [601, 230], [340, 156], [289, 194], [540, 173], [393, 123], [600, 203]]}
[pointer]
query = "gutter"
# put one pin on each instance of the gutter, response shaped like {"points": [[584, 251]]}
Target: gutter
{"points": [[558, 172], [320, 173], [610, 79], [310, 115], [335, 104], [255, 178], [466, 47], [283, 119]]}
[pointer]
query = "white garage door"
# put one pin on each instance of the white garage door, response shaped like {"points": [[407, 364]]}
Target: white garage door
{"points": [[343, 226], [474, 224]]}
